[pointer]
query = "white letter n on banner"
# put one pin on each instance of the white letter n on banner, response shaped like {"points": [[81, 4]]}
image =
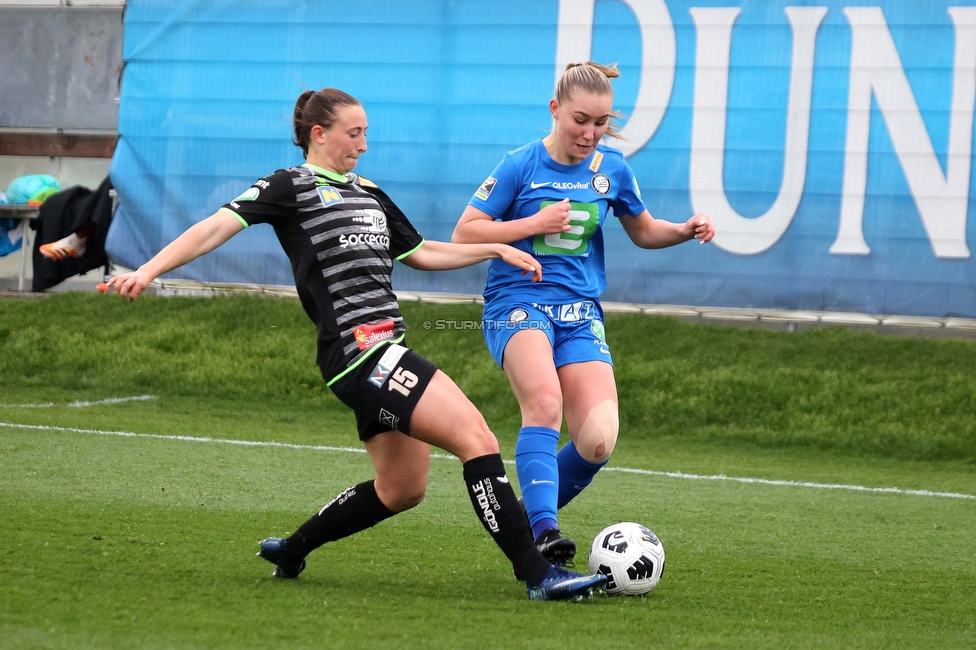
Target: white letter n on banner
{"points": [[942, 200]]}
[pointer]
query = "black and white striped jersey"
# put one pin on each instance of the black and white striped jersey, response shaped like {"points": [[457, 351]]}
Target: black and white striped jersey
{"points": [[341, 233]]}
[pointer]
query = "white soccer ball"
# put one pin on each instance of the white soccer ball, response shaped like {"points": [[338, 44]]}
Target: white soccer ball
{"points": [[630, 555]]}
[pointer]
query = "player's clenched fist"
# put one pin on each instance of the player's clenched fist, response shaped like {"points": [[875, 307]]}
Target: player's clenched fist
{"points": [[700, 227], [554, 218]]}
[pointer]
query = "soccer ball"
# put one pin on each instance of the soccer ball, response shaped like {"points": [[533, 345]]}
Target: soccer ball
{"points": [[630, 555]]}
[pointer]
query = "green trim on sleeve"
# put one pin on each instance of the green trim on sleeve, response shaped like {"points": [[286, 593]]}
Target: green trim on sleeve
{"points": [[369, 353], [239, 217], [412, 250]]}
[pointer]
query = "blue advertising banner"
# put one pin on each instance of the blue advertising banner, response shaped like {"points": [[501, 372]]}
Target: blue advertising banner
{"points": [[831, 142]]}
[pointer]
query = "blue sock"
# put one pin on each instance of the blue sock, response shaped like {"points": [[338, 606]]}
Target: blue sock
{"points": [[535, 463], [574, 473]]}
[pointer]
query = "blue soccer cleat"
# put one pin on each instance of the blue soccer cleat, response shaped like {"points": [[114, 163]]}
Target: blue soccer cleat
{"points": [[560, 584], [274, 550]]}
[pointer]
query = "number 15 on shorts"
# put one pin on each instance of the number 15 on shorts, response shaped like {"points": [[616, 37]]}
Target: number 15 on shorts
{"points": [[402, 381]]}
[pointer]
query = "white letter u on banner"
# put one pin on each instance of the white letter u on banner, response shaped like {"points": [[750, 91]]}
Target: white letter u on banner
{"points": [[735, 233]]}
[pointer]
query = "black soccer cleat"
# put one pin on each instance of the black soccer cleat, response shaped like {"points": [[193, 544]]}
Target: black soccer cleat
{"points": [[554, 547], [274, 550], [560, 584]]}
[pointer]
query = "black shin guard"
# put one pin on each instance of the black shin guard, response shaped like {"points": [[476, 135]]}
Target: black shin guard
{"points": [[353, 510], [499, 511]]}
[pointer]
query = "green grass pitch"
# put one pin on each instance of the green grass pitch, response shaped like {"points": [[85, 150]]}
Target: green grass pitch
{"points": [[136, 541]]}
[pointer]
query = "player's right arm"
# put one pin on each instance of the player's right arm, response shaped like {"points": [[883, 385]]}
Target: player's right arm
{"points": [[477, 227], [197, 240]]}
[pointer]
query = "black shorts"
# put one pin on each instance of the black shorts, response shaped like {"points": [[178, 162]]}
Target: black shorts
{"points": [[384, 390]]}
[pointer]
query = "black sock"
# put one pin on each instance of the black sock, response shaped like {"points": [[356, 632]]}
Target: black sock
{"points": [[355, 509], [496, 505]]}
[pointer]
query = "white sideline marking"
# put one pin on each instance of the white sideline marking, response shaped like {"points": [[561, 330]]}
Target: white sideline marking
{"points": [[114, 400], [76, 404], [159, 436], [625, 470], [766, 481]]}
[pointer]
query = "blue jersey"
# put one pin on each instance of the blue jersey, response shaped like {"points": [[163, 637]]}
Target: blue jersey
{"points": [[528, 179]]}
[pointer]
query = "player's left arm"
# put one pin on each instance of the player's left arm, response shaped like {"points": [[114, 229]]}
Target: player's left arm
{"points": [[442, 256], [648, 232]]}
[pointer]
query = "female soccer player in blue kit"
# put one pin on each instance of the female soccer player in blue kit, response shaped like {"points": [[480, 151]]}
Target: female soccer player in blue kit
{"points": [[550, 198]]}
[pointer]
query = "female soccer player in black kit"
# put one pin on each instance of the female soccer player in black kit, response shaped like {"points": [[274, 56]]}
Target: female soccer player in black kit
{"points": [[342, 233]]}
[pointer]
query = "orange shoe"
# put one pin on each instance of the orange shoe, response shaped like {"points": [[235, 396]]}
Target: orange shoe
{"points": [[70, 246]]}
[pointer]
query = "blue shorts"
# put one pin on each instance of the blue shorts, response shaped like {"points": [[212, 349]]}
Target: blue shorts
{"points": [[575, 330]]}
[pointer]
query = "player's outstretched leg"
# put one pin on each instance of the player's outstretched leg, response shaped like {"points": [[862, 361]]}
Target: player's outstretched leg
{"points": [[446, 418], [354, 509], [494, 501]]}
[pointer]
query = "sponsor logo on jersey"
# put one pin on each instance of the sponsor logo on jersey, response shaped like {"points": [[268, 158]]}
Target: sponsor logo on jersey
{"points": [[637, 187], [595, 163], [369, 335], [249, 194], [364, 239], [388, 419], [386, 364], [485, 190], [517, 316], [584, 219], [560, 185], [374, 218], [601, 183], [329, 195]]}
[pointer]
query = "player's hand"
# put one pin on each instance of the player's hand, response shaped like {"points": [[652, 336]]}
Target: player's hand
{"points": [[522, 260], [700, 227], [130, 285], [552, 219]]}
